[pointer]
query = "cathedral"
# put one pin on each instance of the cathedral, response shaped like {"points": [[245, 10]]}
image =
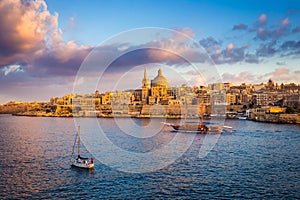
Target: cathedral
{"points": [[157, 91]]}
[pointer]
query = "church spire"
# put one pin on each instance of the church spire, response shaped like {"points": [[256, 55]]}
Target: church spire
{"points": [[145, 87], [145, 74]]}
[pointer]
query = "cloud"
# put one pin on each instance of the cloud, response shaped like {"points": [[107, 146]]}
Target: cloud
{"points": [[230, 47], [265, 34], [290, 44], [25, 26], [218, 52], [181, 34], [262, 34], [268, 41], [280, 71], [285, 22], [240, 26], [273, 32], [12, 69], [262, 19], [29, 35], [233, 54], [296, 29], [280, 63], [251, 58], [174, 49], [289, 48], [209, 42], [282, 75], [32, 47], [267, 49], [278, 75], [239, 78]]}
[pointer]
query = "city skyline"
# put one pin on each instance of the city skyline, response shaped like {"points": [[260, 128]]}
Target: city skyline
{"points": [[40, 54], [224, 86]]}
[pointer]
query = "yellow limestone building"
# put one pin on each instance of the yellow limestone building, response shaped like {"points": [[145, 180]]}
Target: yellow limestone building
{"points": [[158, 90]]}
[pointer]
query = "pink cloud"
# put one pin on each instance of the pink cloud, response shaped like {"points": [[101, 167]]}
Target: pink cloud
{"points": [[281, 75], [238, 78], [285, 22], [187, 32], [278, 75], [29, 33], [280, 71], [218, 52], [25, 26], [262, 19], [230, 47]]}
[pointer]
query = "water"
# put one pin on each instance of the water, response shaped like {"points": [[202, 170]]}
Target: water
{"points": [[258, 160]]}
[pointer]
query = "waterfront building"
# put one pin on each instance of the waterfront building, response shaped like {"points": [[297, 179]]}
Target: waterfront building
{"points": [[106, 98], [231, 99], [292, 101], [245, 98], [174, 102], [121, 98], [227, 86], [257, 87], [216, 86], [260, 99]]}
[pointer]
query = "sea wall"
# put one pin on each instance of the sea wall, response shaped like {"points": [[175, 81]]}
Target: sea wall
{"points": [[170, 110], [276, 118]]}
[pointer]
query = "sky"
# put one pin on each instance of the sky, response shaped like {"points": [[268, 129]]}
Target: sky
{"points": [[44, 45]]}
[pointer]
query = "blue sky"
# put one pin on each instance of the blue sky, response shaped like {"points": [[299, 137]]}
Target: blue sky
{"points": [[43, 43]]}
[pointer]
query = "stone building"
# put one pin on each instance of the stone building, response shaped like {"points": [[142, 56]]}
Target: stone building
{"points": [[159, 86], [157, 92]]}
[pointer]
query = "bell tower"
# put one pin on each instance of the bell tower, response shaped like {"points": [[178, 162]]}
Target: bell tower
{"points": [[145, 87]]}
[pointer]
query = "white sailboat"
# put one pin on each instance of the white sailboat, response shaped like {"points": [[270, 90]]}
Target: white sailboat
{"points": [[79, 161]]}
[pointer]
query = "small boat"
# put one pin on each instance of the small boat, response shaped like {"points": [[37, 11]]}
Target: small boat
{"points": [[241, 117], [81, 162]]}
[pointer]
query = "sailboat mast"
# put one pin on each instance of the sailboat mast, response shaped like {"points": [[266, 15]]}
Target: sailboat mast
{"points": [[78, 141], [185, 113]]}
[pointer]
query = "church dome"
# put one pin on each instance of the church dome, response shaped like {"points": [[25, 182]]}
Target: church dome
{"points": [[159, 80]]}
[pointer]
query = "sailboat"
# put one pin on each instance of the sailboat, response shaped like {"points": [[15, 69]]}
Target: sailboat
{"points": [[200, 127], [81, 162]]}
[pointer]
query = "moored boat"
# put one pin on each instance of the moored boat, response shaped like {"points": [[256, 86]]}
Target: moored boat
{"points": [[241, 117]]}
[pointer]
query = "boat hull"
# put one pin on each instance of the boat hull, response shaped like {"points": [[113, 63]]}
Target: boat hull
{"points": [[193, 128], [86, 165], [196, 128]]}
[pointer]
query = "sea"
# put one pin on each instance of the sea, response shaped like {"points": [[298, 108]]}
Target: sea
{"points": [[143, 159]]}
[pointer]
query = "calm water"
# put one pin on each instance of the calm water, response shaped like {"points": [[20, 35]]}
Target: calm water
{"points": [[258, 160]]}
